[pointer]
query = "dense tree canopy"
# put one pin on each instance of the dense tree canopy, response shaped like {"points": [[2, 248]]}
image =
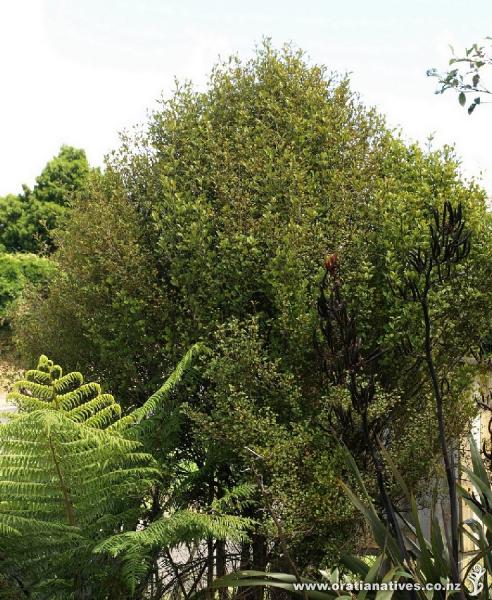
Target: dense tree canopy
{"points": [[213, 224], [26, 220], [64, 175], [15, 271]]}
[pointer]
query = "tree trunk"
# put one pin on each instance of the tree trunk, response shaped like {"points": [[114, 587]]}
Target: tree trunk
{"points": [[210, 562], [259, 561], [220, 562]]}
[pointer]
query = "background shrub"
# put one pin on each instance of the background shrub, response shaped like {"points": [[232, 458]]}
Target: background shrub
{"points": [[18, 270]]}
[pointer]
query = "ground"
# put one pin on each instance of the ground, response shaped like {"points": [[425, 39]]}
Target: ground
{"points": [[9, 373]]}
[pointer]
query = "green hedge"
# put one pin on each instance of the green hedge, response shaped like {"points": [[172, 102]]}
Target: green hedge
{"points": [[16, 270]]}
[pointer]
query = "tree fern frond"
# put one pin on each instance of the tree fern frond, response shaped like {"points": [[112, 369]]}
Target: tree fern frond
{"points": [[47, 388], [135, 564], [79, 396], [239, 497], [179, 528], [134, 548], [60, 482], [159, 398], [31, 389], [27, 403], [98, 412], [74, 474], [37, 376], [68, 382]]}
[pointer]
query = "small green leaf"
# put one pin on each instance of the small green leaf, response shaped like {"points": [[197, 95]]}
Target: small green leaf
{"points": [[462, 98]]}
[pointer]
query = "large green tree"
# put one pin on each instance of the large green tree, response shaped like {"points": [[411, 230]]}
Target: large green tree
{"points": [[213, 224], [26, 220]]}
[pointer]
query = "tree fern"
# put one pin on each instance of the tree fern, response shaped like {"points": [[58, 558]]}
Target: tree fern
{"points": [[74, 478], [63, 486]]}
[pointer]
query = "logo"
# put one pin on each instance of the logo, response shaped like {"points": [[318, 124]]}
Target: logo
{"points": [[475, 578]]}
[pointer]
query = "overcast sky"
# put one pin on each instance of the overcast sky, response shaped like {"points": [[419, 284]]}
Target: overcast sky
{"points": [[78, 71]]}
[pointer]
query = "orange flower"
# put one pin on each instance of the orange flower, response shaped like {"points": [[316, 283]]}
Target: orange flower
{"points": [[331, 262]]}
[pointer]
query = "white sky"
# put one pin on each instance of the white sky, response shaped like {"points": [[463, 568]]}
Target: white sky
{"points": [[79, 71]]}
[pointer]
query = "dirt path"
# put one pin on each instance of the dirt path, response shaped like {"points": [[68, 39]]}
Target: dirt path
{"points": [[9, 373], [4, 405]]}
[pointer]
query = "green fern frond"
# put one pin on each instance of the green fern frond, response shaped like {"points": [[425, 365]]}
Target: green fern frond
{"points": [[96, 412], [134, 548], [46, 388], [63, 485], [179, 528], [238, 498], [62, 471], [73, 473], [135, 563], [160, 397]]}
